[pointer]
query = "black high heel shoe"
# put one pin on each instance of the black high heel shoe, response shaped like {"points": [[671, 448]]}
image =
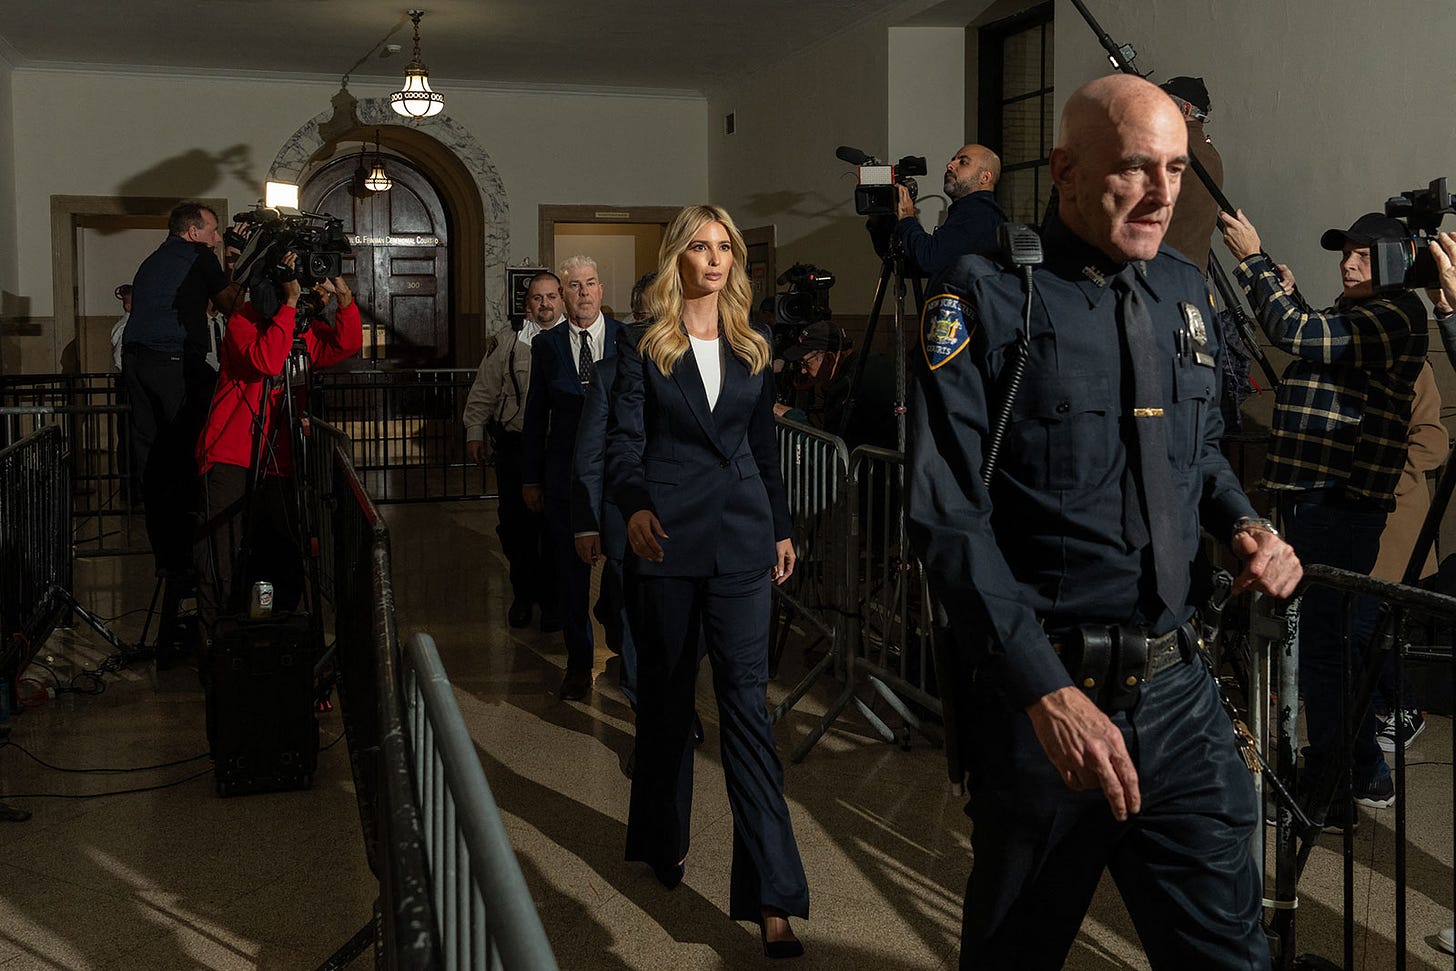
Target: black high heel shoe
{"points": [[790, 948], [669, 874]]}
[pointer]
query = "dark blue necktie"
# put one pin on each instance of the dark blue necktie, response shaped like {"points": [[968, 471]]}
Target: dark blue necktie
{"points": [[1152, 476]]}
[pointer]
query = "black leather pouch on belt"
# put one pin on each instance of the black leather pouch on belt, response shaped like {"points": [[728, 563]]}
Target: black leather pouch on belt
{"points": [[1106, 662]]}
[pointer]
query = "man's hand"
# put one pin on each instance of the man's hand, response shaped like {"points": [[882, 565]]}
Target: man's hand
{"points": [[341, 289], [589, 548], [1086, 748], [1286, 278], [1443, 249], [1239, 235], [781, 409], [643, 532], [904, 205], [534, 496], [784, 560], [292, 289], [1270, 566], [475, 453]]}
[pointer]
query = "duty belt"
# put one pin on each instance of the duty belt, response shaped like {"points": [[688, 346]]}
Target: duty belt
{"points": [[1111, 664]]}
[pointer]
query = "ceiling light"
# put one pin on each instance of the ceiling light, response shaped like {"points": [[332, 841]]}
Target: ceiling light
{"points": [[377, 180], [415, 100]]}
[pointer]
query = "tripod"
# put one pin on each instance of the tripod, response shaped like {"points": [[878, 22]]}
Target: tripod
{"points": [[893, 264]]}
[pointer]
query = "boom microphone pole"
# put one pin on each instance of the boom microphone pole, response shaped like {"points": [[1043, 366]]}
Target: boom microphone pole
{"points": [[1122, 57]]}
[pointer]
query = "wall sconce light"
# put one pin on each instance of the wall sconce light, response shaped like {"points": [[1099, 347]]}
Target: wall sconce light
{"points": [[377, 180], [415, 100]]}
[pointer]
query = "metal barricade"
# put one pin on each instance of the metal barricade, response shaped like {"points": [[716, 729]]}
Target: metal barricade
{"points": [[451, 894], [814, 466], [486, 914], [409, 445], [91, 414], [1275, 674], [35, 537], [892, 644], [404, 931]]}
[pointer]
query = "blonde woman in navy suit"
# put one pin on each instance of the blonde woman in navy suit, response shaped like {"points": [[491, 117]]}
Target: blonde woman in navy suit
{"points": [[692, 461]]}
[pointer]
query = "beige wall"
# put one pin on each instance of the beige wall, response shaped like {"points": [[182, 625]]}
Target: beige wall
{"points": [[9, 245], [89, 133], [780, 168]]}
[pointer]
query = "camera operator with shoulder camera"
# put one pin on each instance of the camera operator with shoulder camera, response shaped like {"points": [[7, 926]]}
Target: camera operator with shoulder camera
{"points": [[248, 434], [970, 223], [1336, 452], [1443, 251]]}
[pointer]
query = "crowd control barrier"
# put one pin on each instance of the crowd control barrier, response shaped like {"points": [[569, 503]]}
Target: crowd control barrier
{"points": [[409, 443], [1273, 688], [91, 414], [856, 587], [451, 894]]}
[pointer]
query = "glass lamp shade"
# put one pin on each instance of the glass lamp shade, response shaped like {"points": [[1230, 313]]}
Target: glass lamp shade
{"points": [[378, 180], [415, 99]]}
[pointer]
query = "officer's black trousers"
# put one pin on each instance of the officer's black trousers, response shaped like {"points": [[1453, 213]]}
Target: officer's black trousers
{"points": [[1183, 864]]}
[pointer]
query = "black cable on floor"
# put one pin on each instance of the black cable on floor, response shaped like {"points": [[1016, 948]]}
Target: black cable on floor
{"points": [[100, 769], [99, 795]]}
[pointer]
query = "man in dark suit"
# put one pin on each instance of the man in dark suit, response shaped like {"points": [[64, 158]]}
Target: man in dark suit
{"points": [[563, 365], [597, 523]]}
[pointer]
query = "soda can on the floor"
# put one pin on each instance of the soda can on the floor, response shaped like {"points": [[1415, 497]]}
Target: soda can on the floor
{"points": [[260, 605]]}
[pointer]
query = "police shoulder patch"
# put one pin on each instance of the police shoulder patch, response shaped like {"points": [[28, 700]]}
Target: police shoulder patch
{"points": [[946, 326]]}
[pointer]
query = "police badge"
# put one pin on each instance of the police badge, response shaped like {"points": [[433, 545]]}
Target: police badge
{"points": [[1195, 334], [944, 328]]}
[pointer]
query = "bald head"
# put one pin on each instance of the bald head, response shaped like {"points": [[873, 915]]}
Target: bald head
{"points": [[975, 168], [1118, 165]]}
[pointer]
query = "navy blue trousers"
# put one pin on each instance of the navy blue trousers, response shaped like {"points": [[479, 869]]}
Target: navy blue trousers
{"points": [[573, 579], [1183, 864], [732, 612], [1325, 526]]}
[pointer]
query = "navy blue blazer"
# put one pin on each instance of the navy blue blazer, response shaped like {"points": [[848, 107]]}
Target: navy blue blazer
{"points": [[590, 511], [711, 477], [553, 408]]}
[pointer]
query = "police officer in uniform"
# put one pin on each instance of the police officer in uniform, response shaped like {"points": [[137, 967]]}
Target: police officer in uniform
{"points": [[1095, 735]]}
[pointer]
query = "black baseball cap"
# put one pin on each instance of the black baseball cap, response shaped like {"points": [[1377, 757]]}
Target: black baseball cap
{"points": [[818, 336], [1191, 90], [1364, 231]]}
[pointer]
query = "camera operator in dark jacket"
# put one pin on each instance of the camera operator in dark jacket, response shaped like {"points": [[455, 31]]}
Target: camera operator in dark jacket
{"points": [[256, 348], [970, 223]]}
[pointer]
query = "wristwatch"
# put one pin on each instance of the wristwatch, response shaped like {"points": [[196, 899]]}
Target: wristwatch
{"points": [[1250, 522]]}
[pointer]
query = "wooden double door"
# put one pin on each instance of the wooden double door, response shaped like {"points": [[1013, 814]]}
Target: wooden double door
{"points": [[399, 268]]}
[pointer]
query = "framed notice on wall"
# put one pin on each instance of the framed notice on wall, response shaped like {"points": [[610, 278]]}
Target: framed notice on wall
{"points": [[518, 279]]}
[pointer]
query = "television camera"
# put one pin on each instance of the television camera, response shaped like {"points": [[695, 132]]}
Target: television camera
{"points": [[1397, 264], [875, 193], [265, 236]]}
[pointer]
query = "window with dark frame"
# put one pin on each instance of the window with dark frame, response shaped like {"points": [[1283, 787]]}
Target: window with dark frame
{"points": [[1015, 108]]}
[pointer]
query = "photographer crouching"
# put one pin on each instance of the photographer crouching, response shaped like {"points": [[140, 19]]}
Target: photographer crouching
{"points": [[245, 455]]}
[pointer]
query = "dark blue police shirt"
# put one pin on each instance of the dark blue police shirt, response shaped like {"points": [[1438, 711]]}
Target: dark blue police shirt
{"points": [[169, 297], [1058, 540], [969, 227]]}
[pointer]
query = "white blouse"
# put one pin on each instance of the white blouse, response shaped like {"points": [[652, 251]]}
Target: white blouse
{"points": [[710, 368]]}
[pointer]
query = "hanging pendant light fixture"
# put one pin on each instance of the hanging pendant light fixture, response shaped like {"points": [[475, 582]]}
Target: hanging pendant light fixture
{"points": [[378, 180], [415, 100]]}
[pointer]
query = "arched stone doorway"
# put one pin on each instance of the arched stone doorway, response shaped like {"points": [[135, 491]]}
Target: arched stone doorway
{"points": [[472, 192], [400, 265]]}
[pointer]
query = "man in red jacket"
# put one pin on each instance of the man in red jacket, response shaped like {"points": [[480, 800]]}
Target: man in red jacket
{"points": [[255, 349]]}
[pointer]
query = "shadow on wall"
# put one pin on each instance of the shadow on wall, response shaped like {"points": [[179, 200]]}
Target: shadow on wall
{"points": [[193, 173]]}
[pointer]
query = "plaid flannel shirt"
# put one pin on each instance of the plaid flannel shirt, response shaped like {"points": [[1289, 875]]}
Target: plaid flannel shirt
{"points": [[1342, 412]]}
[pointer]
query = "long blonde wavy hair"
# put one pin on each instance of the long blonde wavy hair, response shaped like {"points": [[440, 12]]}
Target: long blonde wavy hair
{"points": [[665, 341]]}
